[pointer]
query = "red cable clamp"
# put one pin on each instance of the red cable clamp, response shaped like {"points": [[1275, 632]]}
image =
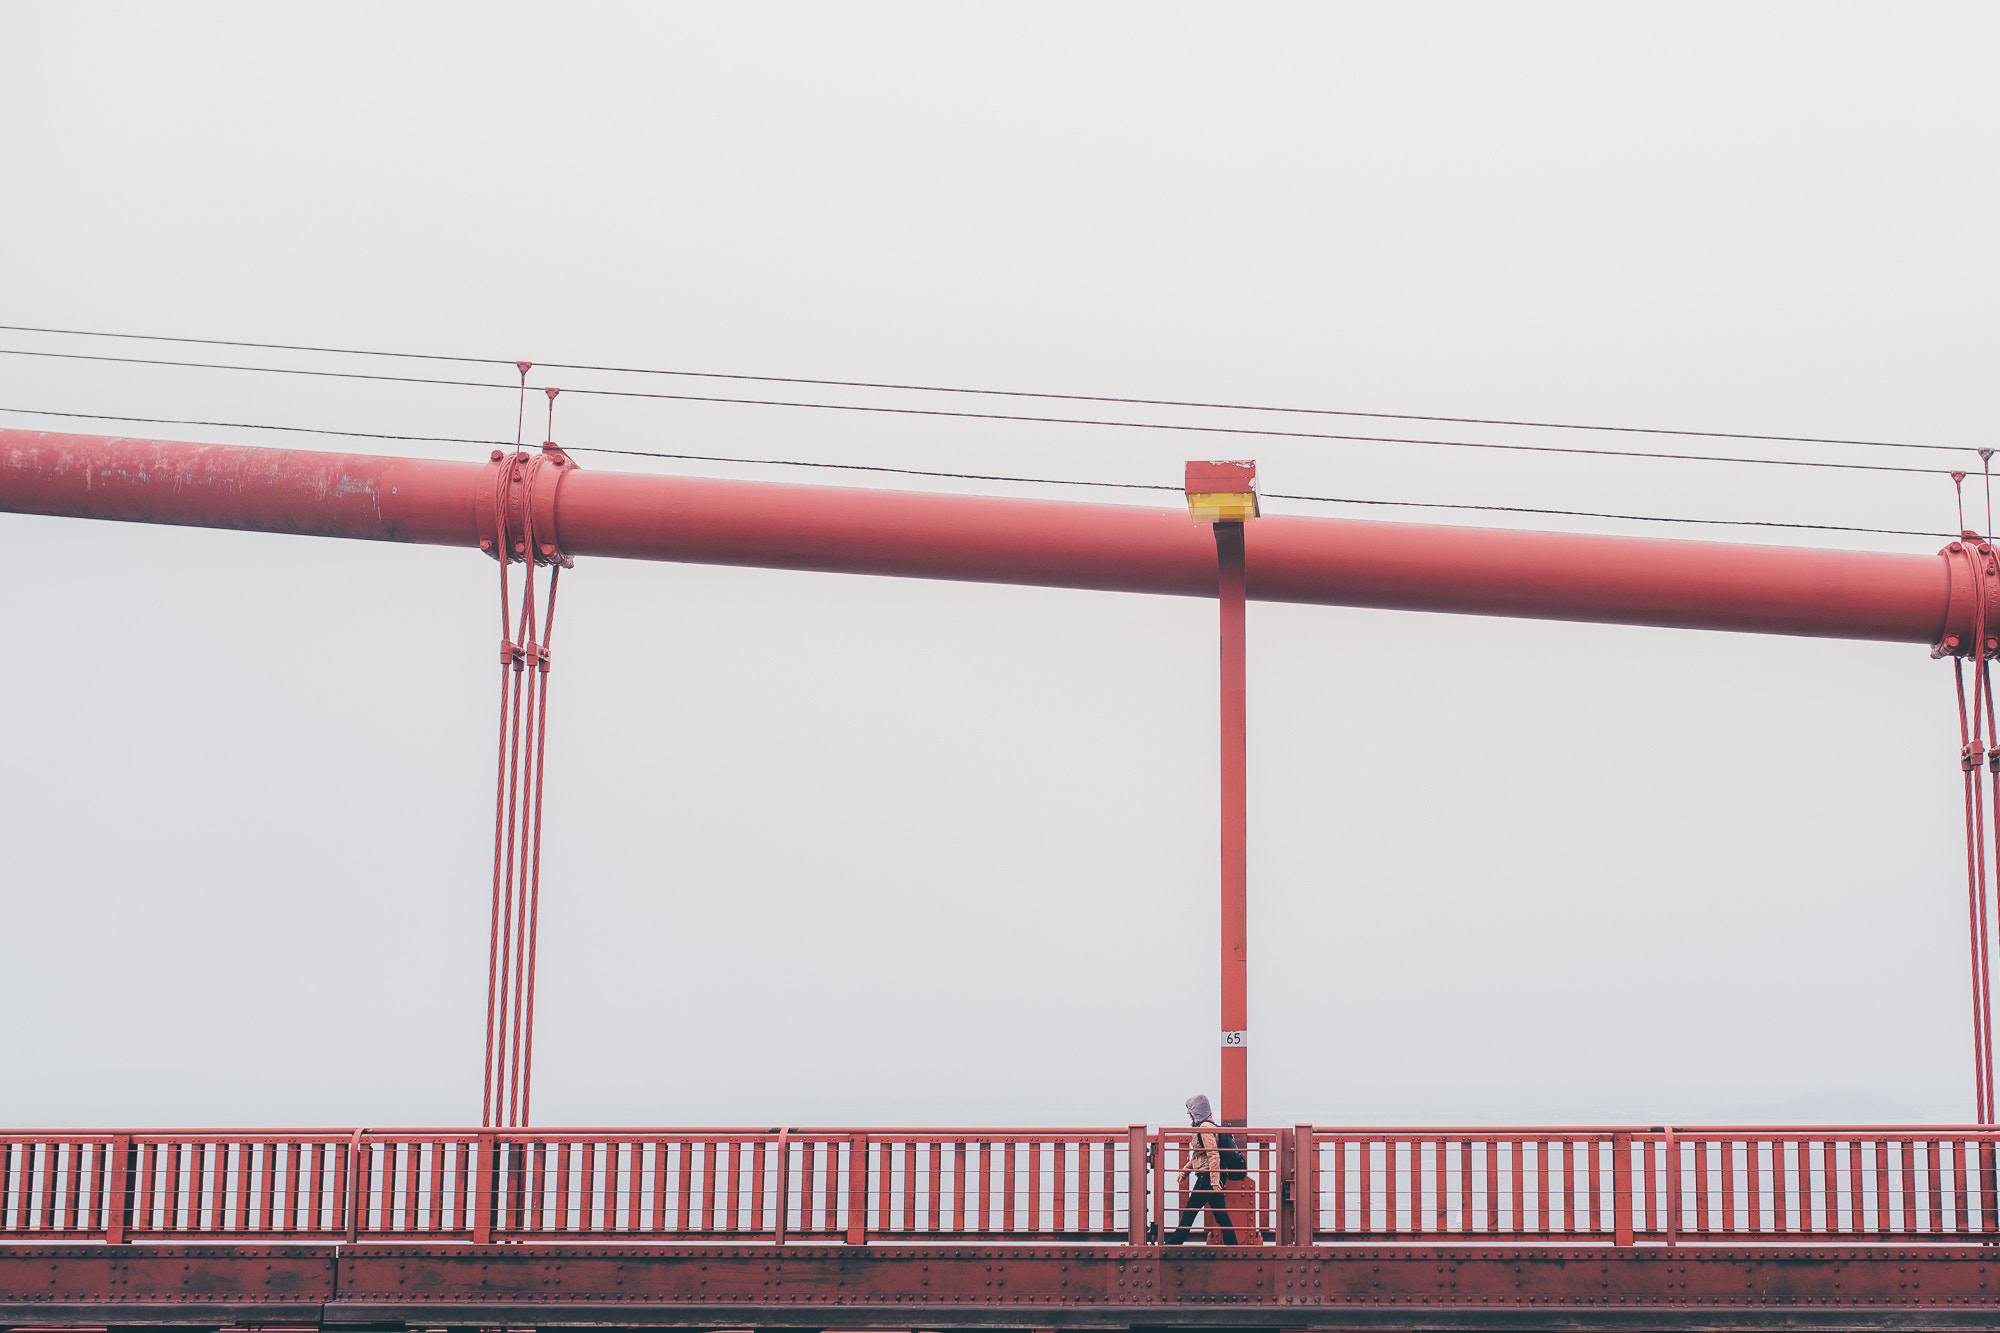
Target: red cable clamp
{"points": [[1993, 759], [542, 664], [514, 653], [1968, 755]]}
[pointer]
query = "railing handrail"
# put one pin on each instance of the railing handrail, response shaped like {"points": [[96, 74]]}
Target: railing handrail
{"points": [[953, 1132], [1304, 1183]]}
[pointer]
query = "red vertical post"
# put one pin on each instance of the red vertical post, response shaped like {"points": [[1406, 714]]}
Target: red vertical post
{"points": [[1674, 1189], [1621, 1189], [1235, 834], [124, 1170], [857, 1188], [486, 1185], [1135, 1184], [356, 1202], [782, 1222], [1305, 1185], [1286, 1194], [1223, 494]]}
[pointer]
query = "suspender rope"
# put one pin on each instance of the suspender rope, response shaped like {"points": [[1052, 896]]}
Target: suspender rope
{"points": [[1975, 892], [535, 853], [526, 1044], [499, 807], [1982, 557], [1974, 575], [527, 649], [1987, 969], [495, 962], [513, 782], [519, 513]]}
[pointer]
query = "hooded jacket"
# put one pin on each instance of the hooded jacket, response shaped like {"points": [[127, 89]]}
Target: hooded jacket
{"points": [[1202, 1155]]}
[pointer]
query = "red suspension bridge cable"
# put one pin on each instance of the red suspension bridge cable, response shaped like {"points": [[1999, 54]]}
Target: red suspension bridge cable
{"points": [[1014, 479]]}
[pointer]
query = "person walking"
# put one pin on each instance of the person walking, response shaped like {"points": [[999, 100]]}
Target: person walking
{"points": [[1204, 1164]]}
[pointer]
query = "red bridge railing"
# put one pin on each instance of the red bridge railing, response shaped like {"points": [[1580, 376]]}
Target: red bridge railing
{"points": [[1302, 1185]]}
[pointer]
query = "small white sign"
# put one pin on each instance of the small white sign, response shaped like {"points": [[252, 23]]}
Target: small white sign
{"points": [[1235, 1038]]}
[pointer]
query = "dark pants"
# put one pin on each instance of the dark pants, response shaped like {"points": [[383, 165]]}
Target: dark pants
{"points": [[1209, 1196]]}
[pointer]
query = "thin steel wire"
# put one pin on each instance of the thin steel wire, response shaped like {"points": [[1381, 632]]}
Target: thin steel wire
{"points": [[253, 425], [1626, 518], [904, 387], [1179, 427]]}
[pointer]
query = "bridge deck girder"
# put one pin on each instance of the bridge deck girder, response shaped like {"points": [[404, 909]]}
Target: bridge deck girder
{"points": [[392, 1286]]}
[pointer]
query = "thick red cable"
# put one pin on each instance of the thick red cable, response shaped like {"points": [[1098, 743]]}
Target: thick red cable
{"points": [[513, 953], [1982, 978], [500, 942], [531, 653], [1966, 761], [507, 878], [493, 963], [535, 886], [510, 722], [524, 1040], [1987, 967], [1971, 750], [1982, 727]]}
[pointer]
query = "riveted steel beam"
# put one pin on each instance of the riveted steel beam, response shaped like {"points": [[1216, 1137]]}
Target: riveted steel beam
{"points": [[999, 1287]]}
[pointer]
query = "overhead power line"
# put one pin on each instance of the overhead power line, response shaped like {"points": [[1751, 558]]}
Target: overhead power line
{"points": [[254, 425], [1626, 518], [900, 387], [261, 370], [1255, 432], [1018, 480], [1312, 499]]}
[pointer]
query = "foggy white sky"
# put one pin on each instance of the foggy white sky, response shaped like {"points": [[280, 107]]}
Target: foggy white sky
{"points": [[839, 850]]}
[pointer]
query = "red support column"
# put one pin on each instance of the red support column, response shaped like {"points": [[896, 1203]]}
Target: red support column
{"points": [[1235, 815], [1224, 495]]}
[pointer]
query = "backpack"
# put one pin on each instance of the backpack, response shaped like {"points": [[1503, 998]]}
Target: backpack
{"points": [[1234, 1166]]}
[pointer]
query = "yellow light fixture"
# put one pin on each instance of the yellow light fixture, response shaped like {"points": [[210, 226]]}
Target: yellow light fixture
{"points": [[1222, 491]]}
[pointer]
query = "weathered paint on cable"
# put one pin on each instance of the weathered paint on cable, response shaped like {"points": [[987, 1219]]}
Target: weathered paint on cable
{"points": [[1321, 561]]}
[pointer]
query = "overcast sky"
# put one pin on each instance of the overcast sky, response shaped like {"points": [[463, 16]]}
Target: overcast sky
{"points": [[834, 850]]}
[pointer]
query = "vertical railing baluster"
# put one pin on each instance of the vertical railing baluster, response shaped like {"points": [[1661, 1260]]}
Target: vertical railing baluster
{"points": [[1542, 1181], [857, 1189], [1673, 1188], [1305, 1186], [1701, 1218], [73, 1189], [1882, 1187], [1934, 1178], [1109, 1185], [1339, 1185], [732, 1195], [1962, 1222], [1989, 1187]]}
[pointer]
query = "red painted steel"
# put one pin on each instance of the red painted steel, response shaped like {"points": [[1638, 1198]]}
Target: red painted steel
{"points": [[611, 1287], [512, 506], [1621, 1186], [1613, 1186], [1235, 788], [1341, 562]]}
